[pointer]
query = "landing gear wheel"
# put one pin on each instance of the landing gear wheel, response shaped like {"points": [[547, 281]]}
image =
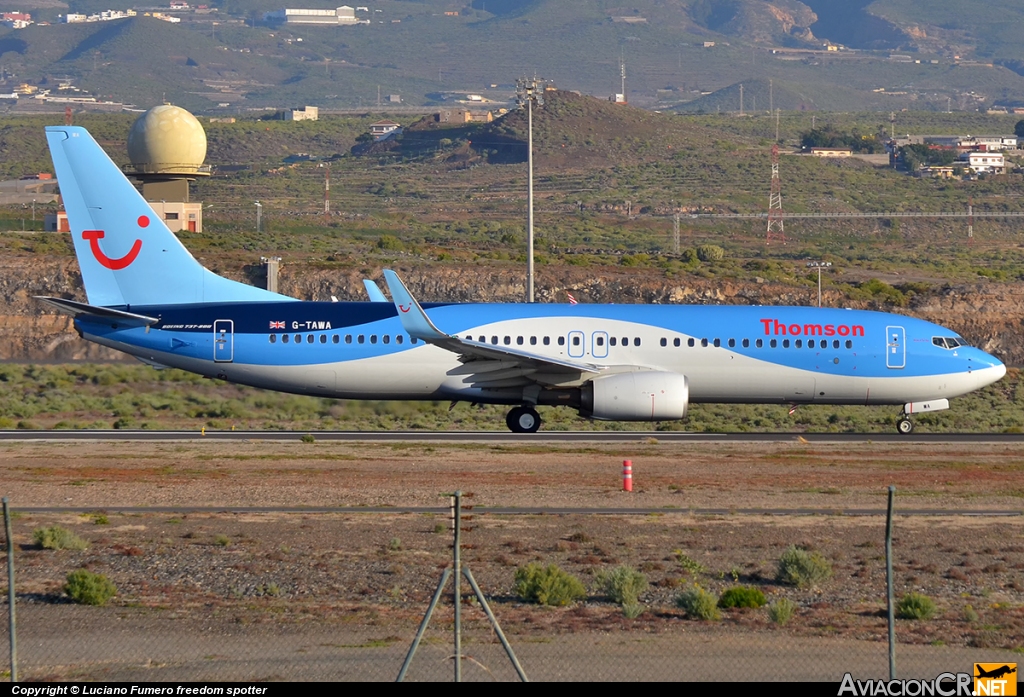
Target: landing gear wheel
{"points": [[904, 426], [523, 420]]}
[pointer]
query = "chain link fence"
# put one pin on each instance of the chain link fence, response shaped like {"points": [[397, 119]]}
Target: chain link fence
{"points": [[263, 595]]}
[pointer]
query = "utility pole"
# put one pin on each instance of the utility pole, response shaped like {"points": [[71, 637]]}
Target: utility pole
{"points": [[529, 91], [675, 234], [741, 100], [771, 100], [259, 216], [327, 190], [819, 265]]}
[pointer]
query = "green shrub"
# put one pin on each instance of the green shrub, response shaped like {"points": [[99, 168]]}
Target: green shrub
{"points": [[915, 606], [780, 611], [56, 537], [623, 584], [804, 569], [548, 585], [699, 604], [222, 540], [710, 252], [87, 588], [308, 438], [741, 596], [690, 565]]}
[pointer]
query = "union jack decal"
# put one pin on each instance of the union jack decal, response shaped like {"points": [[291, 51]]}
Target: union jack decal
{"points": [[277, 325]]}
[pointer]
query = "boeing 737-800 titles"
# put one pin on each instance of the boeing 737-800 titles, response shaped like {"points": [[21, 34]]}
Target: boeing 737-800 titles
{"points": [[147, 296]]}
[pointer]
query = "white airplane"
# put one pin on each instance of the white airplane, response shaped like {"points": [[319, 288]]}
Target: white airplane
{"points": [[147, 296]]}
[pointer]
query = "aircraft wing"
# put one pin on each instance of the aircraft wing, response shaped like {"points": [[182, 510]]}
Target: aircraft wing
{"points": [[490, 365], [77, 309]]}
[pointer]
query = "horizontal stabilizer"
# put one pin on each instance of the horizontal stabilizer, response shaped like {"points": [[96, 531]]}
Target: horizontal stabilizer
{"points": [[77, 309]]}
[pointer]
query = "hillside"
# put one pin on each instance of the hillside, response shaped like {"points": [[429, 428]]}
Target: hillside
{"points": [[414, 49]]}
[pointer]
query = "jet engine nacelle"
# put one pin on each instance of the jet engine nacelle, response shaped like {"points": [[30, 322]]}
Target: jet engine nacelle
{"points": [[639, 396]]}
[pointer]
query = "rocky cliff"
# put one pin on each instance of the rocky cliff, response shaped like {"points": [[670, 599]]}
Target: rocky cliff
{"points": [[988, 314]]}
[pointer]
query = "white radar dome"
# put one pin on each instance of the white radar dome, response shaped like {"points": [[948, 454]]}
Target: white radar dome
{"points": [[167, 140]]}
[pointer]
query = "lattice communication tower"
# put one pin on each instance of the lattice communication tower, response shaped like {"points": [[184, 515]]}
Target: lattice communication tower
{"points": [[776, 231]]}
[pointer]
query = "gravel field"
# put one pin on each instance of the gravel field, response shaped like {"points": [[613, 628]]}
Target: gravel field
{"points": [[338, 594]]}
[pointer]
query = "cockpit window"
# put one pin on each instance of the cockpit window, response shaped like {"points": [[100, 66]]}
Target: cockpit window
{"points": [[948, 342]]}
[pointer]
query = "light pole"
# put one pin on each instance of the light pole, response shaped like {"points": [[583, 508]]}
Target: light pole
{"points": [[259, 216], [819, 265], [529, 91]]}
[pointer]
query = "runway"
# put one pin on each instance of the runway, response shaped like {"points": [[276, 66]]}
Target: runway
{"points": [[506, 437]]}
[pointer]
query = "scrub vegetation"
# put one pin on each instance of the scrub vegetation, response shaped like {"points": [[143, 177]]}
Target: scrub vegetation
{"points": [[117, 395]]}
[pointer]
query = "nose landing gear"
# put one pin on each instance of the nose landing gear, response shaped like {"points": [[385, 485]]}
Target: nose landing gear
{"points": [[904, 426], [523, 420]]}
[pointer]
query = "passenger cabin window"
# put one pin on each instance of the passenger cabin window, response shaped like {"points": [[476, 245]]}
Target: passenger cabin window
{"points": [[519, 341], [759, 343], [399, 339], [746, 343], [799, 343], [561, 341], [690, 342], [636, 341], [835, 343], [533, 341], [676, 342], [613, 341], [785, 343], [547, 341], [309, 339], [284, 338], [718, 343], [348, 338], [323, 338], [732, 343], [849, 344], [298, 338], [273, 338], [386, 338], [664, 341], [600, 341], [373, 338], [774, 343], [336, 338], [508, 341], [575, 341], [361, 339]]}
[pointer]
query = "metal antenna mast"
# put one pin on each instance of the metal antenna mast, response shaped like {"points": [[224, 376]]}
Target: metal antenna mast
{"points": [[776, 231]]}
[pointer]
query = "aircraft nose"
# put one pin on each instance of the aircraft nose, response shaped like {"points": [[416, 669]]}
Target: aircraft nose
{"points": [[987, 369]]}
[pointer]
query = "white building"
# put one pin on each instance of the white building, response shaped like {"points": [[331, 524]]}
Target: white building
{"points": [[985, 162], [306, 113], [339, 15]]}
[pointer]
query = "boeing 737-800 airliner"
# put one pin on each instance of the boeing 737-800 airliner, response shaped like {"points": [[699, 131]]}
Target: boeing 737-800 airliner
{"points": [[147, 296]]}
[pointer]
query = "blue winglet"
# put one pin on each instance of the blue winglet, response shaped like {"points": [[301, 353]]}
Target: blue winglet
{"points": [[414, 320], [373, 291]]}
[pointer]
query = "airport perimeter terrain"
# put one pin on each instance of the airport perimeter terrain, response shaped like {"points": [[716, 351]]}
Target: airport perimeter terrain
{"points": [[316, 560]]}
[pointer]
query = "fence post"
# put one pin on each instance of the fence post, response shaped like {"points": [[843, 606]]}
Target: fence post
{"points": [[10, 592], [457, 573], [889, 585]]}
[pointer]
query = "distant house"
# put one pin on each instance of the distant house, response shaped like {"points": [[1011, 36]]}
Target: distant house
{"points": [[382, 128], [337, 16], [460, 115], [935, 172], [306, 113], [831, 152], [985, 162]]}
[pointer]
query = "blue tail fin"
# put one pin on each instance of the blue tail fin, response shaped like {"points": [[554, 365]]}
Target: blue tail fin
{"points": [[126, 253]]}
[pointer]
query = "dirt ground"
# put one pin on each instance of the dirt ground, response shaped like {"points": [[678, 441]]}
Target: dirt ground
{"points": [[335, 594]]}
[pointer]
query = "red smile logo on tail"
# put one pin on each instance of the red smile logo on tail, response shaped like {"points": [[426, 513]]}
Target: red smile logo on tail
{"points": [[94, 237]]}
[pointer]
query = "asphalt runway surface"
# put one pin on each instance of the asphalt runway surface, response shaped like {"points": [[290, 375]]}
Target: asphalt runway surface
{"points": [[505, 437]]}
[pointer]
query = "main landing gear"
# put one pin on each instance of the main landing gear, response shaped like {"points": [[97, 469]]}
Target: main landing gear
{"points": [[523, 420]]}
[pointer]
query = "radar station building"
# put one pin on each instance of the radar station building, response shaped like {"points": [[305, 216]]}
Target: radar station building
{"points": [[167, 146]]}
